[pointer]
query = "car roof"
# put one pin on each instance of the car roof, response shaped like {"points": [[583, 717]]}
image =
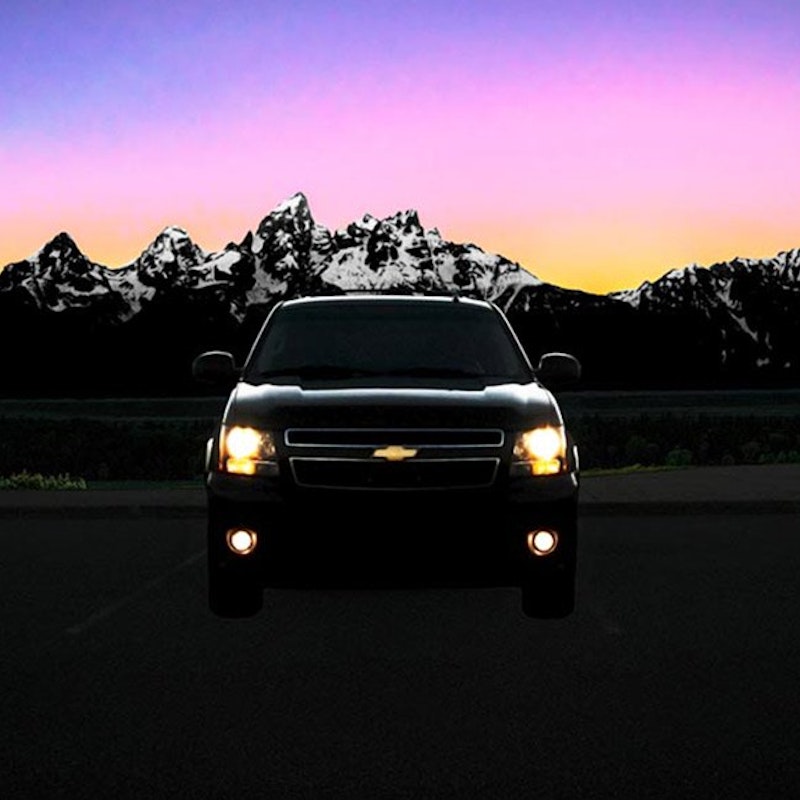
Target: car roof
{"points": [[375, 298]]}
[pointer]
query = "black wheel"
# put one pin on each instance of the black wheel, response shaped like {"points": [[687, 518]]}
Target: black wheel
{"points": [[233, 598]]}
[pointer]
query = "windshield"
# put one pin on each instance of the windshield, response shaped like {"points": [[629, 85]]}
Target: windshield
{"points": [[403, 340]]}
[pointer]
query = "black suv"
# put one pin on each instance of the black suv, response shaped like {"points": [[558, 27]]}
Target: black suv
{"points": [[374, 439]]}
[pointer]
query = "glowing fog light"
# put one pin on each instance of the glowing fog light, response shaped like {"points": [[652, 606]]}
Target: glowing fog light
{"points": [[241, 541], [542, 542]]}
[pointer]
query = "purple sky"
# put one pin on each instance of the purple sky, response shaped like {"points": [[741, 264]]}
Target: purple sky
{"points": [[598, 144]]}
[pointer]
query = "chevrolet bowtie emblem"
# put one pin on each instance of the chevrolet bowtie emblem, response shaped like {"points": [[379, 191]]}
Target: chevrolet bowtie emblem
{"points": [[394, 453]]}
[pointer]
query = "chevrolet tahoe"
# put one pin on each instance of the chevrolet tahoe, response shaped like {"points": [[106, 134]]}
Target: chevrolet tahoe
{"points": [[376, 439]]}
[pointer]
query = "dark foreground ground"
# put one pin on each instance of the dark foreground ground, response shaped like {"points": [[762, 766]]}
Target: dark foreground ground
{"points": [[676, 677]]}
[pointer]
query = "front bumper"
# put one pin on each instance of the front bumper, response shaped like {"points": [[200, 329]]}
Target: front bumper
{"points": [[266, 492], [318, 536]]}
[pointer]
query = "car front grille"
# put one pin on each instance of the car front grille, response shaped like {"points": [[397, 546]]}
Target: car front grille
{"points": [[437, 473], [394, 458]]}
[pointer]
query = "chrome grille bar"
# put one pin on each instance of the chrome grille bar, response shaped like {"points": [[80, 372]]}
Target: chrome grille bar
{"points": [[382, 437]]}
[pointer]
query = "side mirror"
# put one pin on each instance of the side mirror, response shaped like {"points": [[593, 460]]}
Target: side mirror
{"points": [[215, 366], [558, 370]]}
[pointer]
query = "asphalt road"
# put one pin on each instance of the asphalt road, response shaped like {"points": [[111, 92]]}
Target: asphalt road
{"points": [[676, 677]]}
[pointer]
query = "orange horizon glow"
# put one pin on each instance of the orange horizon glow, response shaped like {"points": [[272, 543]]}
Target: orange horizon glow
{"points": [[626, 143], [596, 258]]}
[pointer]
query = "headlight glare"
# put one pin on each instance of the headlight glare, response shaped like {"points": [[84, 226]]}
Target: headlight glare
{"points": [[246, 451], [542, 450], [243, 443]]}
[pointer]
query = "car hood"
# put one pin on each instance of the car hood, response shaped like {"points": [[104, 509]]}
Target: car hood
{"points": [[278, 406]]}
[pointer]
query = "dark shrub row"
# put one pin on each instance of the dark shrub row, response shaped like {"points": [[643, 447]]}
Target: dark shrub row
{"points": [[99, 449], [677, 440]]}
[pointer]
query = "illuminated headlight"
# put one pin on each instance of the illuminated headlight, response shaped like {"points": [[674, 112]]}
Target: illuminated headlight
{"points": [[247, 451], [540, 451]]}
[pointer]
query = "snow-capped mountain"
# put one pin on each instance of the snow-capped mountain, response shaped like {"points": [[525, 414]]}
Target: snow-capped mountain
{"points": [[288, 255], [136, 328], [747, 309], [58, 277]]}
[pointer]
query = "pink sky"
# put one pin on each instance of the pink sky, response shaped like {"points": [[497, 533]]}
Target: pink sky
{"points": [[595, 144]]}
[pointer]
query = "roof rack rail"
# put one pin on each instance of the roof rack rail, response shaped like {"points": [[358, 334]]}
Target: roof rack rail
{"points": [[405, 290]]}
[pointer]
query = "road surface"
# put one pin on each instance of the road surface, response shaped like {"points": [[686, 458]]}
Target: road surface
{"points": [[676, 677]]}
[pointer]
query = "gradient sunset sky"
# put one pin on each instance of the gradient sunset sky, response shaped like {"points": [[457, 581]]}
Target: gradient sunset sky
{"points": [[599, 143]]}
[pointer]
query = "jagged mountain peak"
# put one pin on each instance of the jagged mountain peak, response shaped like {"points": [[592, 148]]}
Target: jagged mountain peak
{"points": [[715, 278], [295, 207], [62, 239], [360, 227], [407, 220], [298, 202], [172, 245], [669, 281], [61, 247], [60, 263], [292, 217], [173, 233]]}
